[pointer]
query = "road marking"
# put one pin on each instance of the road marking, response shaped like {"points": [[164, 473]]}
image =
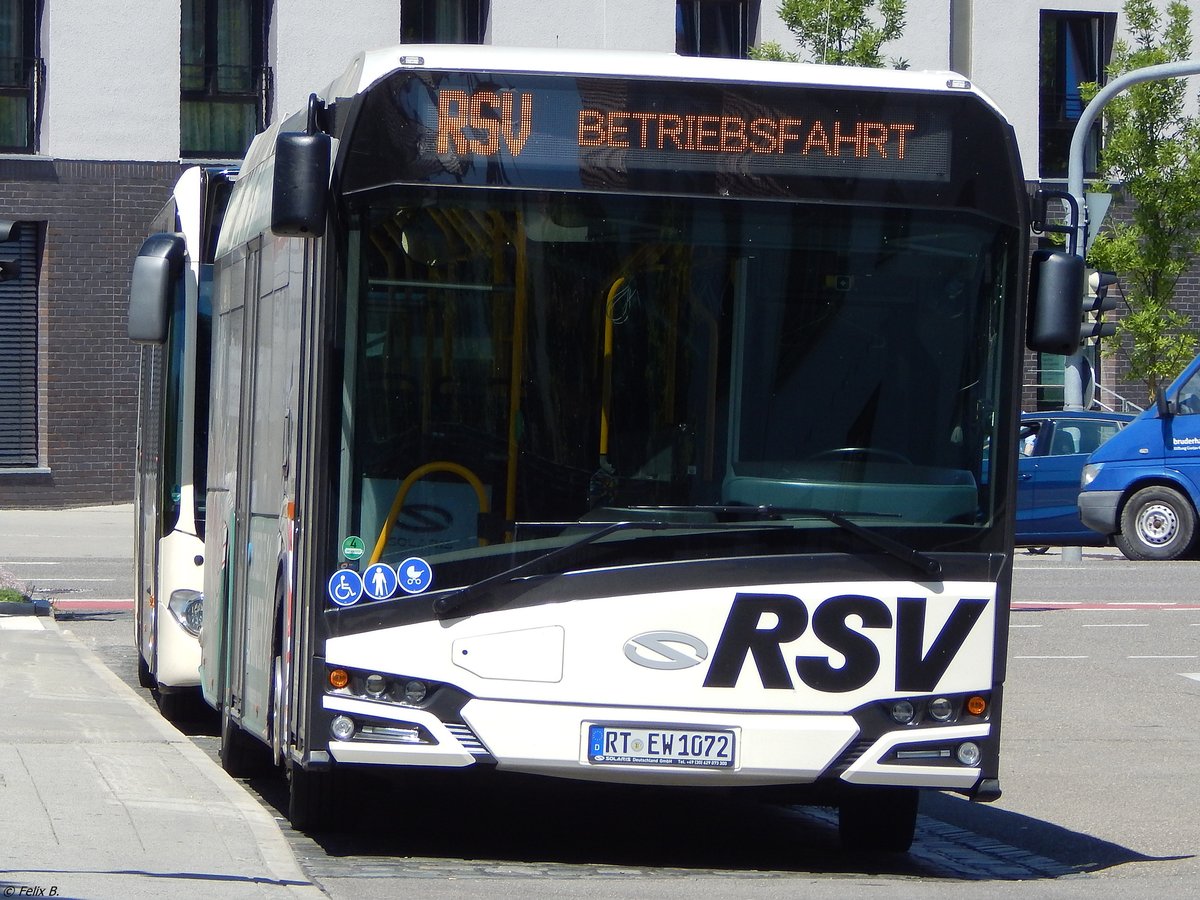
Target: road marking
{"points": [[1049, 657], [1195, 676], [1116, 625], [95, 604], [1163, 657], [88, 581], [1080, 606], [1033, 625]]}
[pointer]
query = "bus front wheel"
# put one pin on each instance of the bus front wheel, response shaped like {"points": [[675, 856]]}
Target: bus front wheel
{"points": [[879, 820], [311, 799], [241, 755]]}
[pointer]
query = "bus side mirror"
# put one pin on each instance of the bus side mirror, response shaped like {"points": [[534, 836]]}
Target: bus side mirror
{"points": [[156, 271], [301, 187], [1056, 287]]}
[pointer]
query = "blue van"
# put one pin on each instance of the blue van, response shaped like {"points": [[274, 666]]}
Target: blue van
{"points": [[1142, 488]]}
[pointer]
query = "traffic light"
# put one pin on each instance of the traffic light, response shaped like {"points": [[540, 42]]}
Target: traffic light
{"points": [[1096, 302]]}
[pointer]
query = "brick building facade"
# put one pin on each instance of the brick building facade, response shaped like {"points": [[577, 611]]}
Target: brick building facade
{"points": [[91, 218]]}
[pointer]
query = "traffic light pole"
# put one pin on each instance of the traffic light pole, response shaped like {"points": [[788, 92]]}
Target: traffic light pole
{"points": [[1076, 368]]}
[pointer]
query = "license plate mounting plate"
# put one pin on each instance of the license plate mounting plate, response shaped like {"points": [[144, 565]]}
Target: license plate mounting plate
{"points": [[641, 745]]}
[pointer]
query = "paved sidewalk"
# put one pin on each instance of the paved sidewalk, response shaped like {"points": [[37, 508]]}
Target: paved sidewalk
{"points": [[101, 797]]}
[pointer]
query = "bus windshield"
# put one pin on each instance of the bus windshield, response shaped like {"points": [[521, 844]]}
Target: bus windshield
{"points": [[520, 358]]}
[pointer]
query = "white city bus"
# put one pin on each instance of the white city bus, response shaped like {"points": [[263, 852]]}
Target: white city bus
{"points": [[171, 317], [624, 418]]}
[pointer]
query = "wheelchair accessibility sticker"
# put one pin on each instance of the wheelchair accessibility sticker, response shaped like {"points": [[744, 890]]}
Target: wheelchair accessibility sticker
{"points": [[345, 587]]}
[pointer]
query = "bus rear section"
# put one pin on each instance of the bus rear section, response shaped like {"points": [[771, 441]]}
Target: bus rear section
{"points": [[651, 426], [170, 317]]}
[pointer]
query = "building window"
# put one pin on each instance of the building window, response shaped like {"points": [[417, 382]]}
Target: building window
{"points": [[715, 27], [20, 255], [1075, 47], [224, 79], [443, 21], [21, 76]]}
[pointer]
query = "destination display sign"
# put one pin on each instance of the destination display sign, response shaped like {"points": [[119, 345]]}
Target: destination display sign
{"points": [[607, 133]]}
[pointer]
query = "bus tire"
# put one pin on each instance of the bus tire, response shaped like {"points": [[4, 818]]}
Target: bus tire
{"points": [[311, 799], [279, 740], [241, 755], [879, 820], [145, 677], [171, 706], [1158, 523]]}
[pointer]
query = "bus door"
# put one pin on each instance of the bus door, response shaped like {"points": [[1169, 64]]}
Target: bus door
{"points": [[147, 490], [268, 364], [240, 547]]}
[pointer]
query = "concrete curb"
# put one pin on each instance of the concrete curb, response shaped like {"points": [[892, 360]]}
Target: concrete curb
{"points": [[38, 606]]}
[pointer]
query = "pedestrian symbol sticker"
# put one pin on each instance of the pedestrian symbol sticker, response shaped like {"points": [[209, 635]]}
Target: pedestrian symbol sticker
{"points": [[345, 587], [415, 575], [353, 548], [379, 581]]}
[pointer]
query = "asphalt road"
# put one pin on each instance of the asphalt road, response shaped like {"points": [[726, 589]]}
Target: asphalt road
{"points": [[1101, 777]]}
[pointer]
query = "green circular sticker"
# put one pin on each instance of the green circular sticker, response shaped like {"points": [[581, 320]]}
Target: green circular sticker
{"points": [[353, 548]]}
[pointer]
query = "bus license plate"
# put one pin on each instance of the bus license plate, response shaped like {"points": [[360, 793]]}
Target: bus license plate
{"points": [[618, 745]]}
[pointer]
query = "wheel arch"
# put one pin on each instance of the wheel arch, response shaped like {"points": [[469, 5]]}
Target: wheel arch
{"points": [[1178, 484]]}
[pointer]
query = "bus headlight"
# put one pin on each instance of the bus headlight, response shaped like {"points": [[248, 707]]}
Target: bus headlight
{"points": [[1090, 471], [941, 709], [188, 609]]}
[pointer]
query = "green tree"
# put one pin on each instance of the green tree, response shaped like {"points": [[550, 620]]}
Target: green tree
{"points": [[838, 32], [1152, 152]]}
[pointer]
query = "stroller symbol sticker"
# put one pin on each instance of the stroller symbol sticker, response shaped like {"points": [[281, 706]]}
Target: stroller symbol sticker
{"points": [[345, 587], [415, 575]]}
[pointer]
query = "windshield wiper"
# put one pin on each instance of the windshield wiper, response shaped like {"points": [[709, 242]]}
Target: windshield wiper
{"points": [[924, 563], [553, 560]]}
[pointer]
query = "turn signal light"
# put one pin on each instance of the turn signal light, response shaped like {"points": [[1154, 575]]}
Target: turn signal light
{"points": [[338, 678], [976, 706]]}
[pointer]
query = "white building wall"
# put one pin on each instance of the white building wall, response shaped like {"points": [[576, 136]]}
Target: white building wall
{"points": [[584, 24], [310, 44], [112, 79], [112, 89], [925, 43]]}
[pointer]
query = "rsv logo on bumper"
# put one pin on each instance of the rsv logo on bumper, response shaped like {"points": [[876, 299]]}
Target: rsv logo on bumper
{"points": [[666, 650], [759, 625]]}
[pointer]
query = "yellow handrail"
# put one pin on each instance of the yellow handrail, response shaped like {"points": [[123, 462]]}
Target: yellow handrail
{"points": [[606, 383], [406, 485]]}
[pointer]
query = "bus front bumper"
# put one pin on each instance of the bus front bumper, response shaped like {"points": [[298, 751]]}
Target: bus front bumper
{"points": [[553, 740]]}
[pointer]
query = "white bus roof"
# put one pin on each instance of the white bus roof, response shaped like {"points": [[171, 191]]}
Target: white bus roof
{"points": [[372, 65]]}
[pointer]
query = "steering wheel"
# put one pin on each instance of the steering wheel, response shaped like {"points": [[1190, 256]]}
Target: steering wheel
{"points": [[861, 454]]}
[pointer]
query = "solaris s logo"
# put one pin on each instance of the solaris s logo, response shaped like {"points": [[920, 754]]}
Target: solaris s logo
{"points": [[666, 650]]}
